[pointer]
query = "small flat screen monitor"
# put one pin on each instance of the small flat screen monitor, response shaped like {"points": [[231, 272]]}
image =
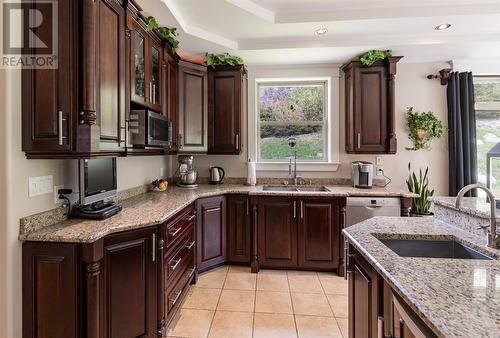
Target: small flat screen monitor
{"points": [[97, 179]]}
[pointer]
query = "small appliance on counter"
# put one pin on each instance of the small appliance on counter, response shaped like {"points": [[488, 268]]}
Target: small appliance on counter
{"points": [[186, 175], [362, 174], [216, 175]]}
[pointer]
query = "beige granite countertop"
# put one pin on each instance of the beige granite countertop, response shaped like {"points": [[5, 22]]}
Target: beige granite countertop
{"points": [[156, 207], [455, 297], [476, 206]]}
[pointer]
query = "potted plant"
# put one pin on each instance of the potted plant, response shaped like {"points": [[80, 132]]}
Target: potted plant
{"points": [[372, 56], [420, 205], [423, 127], [225, 59], [168, 34]]}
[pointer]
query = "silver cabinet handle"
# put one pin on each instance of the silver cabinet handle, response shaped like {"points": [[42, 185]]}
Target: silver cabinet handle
{"points": [[174, 299], [192, 271], [153, 253], [190, 218], [294, 209], [180, 141], [212, 209], [380, 327], [237, 141], [248, 207], [359, 140], [301, 209], [346, 258], [60, 120], [190, 245], [176, 264], [154, 93], [150, 92], [174, 232]]}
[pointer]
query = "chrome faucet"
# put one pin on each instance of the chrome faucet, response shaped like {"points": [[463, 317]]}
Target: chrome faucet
{"points": [[493, 237], [296, 180]]}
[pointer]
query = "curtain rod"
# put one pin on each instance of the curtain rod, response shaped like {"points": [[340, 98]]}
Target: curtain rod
{"points": [[444, 75]]}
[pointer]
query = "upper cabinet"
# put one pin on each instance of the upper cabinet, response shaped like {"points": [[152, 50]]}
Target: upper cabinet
{"points": [[227, 87], [193, 81], [170, 92], [369, 107]]}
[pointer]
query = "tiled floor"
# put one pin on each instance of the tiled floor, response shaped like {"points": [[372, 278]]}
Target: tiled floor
{"points": [[232, 302]]}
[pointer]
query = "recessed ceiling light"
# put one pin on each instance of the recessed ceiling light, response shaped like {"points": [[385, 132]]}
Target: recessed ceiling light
{"points": [[442, 27], [321, 31]]}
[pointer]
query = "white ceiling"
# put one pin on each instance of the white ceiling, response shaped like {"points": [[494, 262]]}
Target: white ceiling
{"points": [[283, 31]]}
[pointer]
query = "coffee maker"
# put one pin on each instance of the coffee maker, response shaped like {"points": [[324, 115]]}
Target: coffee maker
{"points": [[362, 174], [187, 175]]}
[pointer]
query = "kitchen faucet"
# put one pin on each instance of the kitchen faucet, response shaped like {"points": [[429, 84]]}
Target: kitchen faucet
{"points": [[296, 180], [493, 237]]}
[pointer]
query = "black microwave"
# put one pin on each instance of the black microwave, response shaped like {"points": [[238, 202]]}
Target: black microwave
{"points": [[150, 129]]}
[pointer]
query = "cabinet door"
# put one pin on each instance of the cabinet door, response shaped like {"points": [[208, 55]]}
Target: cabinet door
{"points": [[192, 107], [130, 284], [49, 95], [155, 83], [277, 232], [211, 232], [319, 233], [111, 70], [139, 85], [370, 109], [239, 228], [225, 89], [170, 101]]}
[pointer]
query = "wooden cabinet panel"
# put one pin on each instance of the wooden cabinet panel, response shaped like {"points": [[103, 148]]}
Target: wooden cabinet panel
{"points": [[138, 65], [211, 232], [277, 232], [226, 104], [50, 290], [131, 306], [319, 233], [170, 94], [238, 229], [192, 107], [155, 83]]}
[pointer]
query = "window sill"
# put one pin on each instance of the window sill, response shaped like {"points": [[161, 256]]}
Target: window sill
{"points": [[301, 166]]}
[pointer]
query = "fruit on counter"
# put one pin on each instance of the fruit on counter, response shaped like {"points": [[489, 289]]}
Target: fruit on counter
{"points": [[160, 184]]}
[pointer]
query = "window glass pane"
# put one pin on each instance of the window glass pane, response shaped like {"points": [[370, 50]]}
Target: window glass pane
{"points": [[291, 103], [487, 97], [274, 142]]}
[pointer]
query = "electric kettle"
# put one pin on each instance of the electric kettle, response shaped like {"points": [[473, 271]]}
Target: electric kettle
{"points": [[216, 175]]}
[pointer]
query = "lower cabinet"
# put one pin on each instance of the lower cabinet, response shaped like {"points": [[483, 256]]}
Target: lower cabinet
{"points": [[210, 232], [238, 229], [299, 232]]}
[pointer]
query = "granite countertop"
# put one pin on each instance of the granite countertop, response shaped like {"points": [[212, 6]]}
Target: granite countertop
{"points": [[476, 206], [156, 207], [454, 297]]}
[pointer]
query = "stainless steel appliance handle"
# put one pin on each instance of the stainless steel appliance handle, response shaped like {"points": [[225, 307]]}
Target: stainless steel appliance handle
{"points": [[153, 245]]}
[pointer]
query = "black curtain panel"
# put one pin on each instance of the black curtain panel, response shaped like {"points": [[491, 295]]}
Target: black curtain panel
{"points": [[462, 132]]}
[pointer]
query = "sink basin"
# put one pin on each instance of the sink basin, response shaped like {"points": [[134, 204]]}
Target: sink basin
{"points": [[297, 189], [432, 249]]}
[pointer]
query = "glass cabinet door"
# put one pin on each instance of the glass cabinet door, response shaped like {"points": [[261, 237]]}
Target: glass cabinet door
{"points": [[139, 85], [155, 76]]}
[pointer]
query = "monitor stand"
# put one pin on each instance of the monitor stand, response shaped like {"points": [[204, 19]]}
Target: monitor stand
{"points": [[99, 210]]}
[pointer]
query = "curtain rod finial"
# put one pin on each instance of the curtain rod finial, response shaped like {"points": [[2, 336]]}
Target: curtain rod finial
{"points": [[444, 75]]}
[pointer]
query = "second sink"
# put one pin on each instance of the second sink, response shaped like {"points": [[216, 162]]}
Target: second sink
{"points": [[296, 189]]}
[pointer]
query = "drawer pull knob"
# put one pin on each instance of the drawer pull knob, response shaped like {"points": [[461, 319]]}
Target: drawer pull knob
{"points": [[190, 245], [174, 299], [190, 218], [176, 264], [174, 232]]}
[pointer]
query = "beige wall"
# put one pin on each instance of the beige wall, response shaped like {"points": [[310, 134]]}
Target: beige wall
{"points": [[412, 89]]}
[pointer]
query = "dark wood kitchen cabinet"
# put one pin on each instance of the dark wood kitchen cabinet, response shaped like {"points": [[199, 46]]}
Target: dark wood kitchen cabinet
{"points": [[170, 94], [277, 232], [238, 229], [211, 234], [227, 86], [78, 108], [370, 107], [193, 104], [318, 234]]}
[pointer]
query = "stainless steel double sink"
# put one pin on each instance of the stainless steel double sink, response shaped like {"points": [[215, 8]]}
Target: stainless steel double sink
{"points": [[296, 189]]}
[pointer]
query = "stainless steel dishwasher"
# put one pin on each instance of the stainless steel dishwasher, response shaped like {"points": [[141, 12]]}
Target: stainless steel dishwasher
{"points": [[361, 208]]}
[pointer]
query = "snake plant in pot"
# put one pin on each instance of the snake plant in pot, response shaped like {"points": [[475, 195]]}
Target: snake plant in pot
{"points": [[420, 206]]}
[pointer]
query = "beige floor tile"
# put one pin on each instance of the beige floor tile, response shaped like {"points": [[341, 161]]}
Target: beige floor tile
{"points": [[237, 300], [344, 326], [232, 324], [301, 273], [272, 272], [272, 282], [339, 304], [221, 269], [213, 280], [313, 304], [201, 299], [273, 302], [240, 281], [317, 327], [190, 323], [333, 284], [274, 326], [239, 269], [304, 283]]}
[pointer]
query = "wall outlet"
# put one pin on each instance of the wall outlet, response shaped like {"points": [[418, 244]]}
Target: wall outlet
{"points": [[378, 160], [40, 185], [380, 171], [56, 194]]}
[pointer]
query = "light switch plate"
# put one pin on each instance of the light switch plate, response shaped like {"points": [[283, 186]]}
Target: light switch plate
{"points": [[40, 185], [378, 160]]}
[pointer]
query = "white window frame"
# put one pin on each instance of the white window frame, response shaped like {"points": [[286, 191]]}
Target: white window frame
{"points": [[326, 74]]}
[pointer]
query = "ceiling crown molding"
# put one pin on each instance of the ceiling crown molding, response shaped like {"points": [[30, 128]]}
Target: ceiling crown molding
{"points": [[255, 9]]}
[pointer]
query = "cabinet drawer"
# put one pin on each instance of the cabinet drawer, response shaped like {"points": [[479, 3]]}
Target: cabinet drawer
{"points": [[178, 261], [175, 229], [173, 296]]}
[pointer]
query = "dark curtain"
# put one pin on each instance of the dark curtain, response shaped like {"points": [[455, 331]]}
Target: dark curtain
{"points": [[462, 132]]}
